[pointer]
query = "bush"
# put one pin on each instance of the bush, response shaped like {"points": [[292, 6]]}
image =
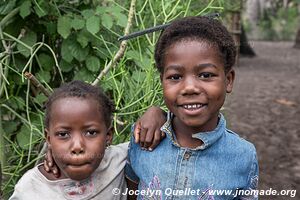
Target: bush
{"points": [[59, 41]]}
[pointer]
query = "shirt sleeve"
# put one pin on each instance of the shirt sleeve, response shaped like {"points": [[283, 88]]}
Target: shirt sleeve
{"points": [[129, 171], [252, 183]]}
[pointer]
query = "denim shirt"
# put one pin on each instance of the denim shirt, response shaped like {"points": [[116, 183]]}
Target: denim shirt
{"points": [[224, 167]]}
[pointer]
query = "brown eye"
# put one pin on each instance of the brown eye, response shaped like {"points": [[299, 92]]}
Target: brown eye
{"points": [[174, 77], [206, 75], [91, 133], [63, 134]]}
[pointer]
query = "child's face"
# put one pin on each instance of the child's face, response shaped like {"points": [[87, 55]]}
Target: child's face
{"points": [[195, 84], [77, 136]]}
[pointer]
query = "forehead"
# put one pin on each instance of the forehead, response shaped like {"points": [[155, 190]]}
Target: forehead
{"points": [[193, 52], [69, 108]]}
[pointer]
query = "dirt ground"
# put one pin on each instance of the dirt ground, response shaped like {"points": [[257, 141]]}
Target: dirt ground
{"points": [[264, 108]]}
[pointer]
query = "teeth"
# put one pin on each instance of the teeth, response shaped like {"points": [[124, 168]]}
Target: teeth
{"points": [[193, 106]]}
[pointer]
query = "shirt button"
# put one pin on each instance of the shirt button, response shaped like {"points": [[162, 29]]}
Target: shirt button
{"points": [[187, 155]]}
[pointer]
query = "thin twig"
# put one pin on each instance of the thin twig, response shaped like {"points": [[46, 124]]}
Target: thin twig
{"points": [[37, 83], [122, 48], [156, 28]]}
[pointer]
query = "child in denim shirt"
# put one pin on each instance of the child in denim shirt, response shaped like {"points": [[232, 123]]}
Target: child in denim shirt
{"points": [[200, 158]]}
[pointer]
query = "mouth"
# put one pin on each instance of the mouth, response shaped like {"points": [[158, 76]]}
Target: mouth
{"points": [[193, 106], [78, 164]]}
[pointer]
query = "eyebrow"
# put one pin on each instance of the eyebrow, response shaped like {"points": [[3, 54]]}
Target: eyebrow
{"points": [[180, 67]]}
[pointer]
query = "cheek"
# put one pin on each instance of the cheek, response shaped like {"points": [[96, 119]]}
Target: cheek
{"points": [[217, 92], [96, 150], [169, 92], [60, 158]]}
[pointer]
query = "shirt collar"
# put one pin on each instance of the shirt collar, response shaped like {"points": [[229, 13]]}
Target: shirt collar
{"points": [[208, 138]]}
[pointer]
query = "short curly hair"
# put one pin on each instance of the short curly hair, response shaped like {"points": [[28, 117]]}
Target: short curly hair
{"points": [[196, 28], [83, 90]]}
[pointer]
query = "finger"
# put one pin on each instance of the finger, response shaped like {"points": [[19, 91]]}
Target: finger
{"points": [[136, 132], [55, 171], [49, 158], [162, 134], [46, 166], [143, 133], [149, 137], [156, 140]]}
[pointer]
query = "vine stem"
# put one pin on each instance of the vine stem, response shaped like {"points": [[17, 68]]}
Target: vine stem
{"points": [[122, 48], [37, 83]]}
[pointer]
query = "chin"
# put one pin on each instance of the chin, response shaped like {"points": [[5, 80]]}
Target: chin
{"points": [[78, 174], [79, 177]]}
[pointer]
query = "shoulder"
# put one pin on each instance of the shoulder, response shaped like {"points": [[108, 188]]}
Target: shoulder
{"points": [[114, 157], [29, 177], [241, 152], [240, 144], [119, 150], [27, 184]]}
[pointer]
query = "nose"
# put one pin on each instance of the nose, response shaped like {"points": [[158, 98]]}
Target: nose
{"points": [[190, 86], [78, 146]]}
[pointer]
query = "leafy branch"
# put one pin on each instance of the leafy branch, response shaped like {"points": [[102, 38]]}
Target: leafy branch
{"points": [[122, 48]]}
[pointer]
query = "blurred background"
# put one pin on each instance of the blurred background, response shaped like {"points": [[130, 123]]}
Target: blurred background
{"points": [[45, 43]]}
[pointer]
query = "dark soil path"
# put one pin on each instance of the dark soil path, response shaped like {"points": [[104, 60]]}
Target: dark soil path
{"points": [[264, 108]]}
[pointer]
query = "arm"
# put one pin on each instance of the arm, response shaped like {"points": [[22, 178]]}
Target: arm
{"points": [[146, 132], [147, 129], [252, 179], [131, 178], [131, 186]]}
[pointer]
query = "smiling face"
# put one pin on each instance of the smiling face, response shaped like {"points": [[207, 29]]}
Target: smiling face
{"points": [[77, 136], [195, 84]]}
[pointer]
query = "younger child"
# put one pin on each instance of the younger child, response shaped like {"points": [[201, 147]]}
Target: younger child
{"points": [[200, 158], [79, 133]]}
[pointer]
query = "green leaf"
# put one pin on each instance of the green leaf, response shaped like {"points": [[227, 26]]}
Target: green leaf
{"points": [[51, 28], [84, 75], [107, 21], [40, 99], [40, 11], [65, 66], [30, 39], [121, 19], [7, 7], [83, 38], [46, 61], [87, 13], [114, 9], [64, 26], [23, 137], [139, 76], [78, 52], [65, 50], [77, 23], [10, 126], [93, 24], [44, 76], [19, 102], [25, 9], [132, 54], [92, 63], [100, 10], [144, 63]]}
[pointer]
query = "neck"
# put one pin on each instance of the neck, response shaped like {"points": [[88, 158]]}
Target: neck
{"points": [[184, 132]]}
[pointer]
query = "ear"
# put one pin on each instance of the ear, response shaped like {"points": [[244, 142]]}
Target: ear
{"points": [[230, 75], [109, 136], [47, 136]]}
